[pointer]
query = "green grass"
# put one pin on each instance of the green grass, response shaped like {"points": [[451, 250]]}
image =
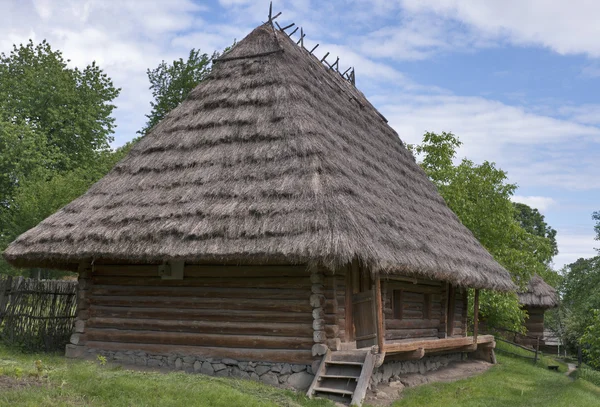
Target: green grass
{"points": [[543, 360], [61, 382], [513, 382], [586, 373]]}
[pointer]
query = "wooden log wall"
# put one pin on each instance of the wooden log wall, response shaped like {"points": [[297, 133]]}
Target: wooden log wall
{"points": [[535, 322], [340, 295], [461, 312], [422, 310], [243, 312]]}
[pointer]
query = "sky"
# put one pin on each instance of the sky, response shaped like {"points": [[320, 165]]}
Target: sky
{"points": [[517, 80]]}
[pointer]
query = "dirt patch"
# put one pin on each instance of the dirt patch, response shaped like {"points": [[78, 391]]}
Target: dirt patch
{"points": [[10, 383], [386, 394]]}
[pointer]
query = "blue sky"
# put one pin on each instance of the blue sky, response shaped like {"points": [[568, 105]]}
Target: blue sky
{"points": [[517, 81]]}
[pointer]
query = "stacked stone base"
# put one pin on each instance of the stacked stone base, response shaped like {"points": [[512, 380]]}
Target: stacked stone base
{"points": [[391, 371], [284, 375]]}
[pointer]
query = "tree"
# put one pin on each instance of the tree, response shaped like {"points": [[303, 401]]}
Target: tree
{"points": [[172, 83], [38, 197], [534, 222], [71, 107], [480, 195], [596, 217], [55, 129]]}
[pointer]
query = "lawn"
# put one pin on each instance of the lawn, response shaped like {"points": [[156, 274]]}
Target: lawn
{"points": [[56, 381], [513, 382]]}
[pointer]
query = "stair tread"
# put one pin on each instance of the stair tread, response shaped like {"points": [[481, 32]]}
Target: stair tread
{"points": [[341, 362], [331, 390], [339, 376]]}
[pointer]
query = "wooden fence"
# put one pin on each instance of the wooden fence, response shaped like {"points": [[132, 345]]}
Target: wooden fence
{"points": [[37, 315]]}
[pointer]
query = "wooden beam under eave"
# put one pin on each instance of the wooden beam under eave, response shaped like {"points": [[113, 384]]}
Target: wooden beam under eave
{"points": [[348, 304], [475, 316], [379, 314]]}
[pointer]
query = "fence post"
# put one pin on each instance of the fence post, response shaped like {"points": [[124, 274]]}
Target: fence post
{"points": [[537, 349], [4, 294]]}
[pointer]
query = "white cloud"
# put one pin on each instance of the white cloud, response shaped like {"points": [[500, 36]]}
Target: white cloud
{"points": [[535, 149], [565, 27], [540, 203], [573, 246]]}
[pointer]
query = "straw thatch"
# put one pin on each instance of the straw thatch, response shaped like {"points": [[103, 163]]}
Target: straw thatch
{"points": [[539, 294], [272, 159]]}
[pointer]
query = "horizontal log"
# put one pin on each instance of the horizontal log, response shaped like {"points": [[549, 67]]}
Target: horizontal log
{"points": [[215, 327], [242, 354], [413, 288], [410, 333], [390, 279], [411, 323], [203, 292], [436, 344], [262, 282], [195, 339], [200, 314], [203, 271], [295, 306], [407, 314]]}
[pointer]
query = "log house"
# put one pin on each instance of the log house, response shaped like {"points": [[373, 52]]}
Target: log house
{"points": [[274, 216]]}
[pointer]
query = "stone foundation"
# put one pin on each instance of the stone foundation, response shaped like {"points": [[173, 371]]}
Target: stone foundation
{"points": [[391, 371], [276, 374]]}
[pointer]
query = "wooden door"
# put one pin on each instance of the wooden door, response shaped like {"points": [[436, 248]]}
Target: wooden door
{"points": [[365, 327]]}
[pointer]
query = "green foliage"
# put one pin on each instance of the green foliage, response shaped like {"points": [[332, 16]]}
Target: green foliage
{"points": [[171, 84], [55, 129], [71, 107], [480, 195], [596, 217], [591, 340], [580, 291], [533, 222], [592, 376]]}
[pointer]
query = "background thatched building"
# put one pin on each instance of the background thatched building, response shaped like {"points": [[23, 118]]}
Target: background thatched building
{"points": [[273, 216], [538, 297]]}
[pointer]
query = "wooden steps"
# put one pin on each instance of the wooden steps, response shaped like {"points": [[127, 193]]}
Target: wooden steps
{"points": [[343, 376]]}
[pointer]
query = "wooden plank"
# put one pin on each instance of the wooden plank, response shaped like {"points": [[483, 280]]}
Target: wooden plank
{"points": [[216, 327], [320, 371], [435, 344], [451, 310], [195, 339], [245, 354], [475, 316], [410, 333], [379, 314], [201, 314], [363, 381], [398, 308]]}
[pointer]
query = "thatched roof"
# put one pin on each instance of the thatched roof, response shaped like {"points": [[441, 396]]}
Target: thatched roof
{"points": [[272, 159], [539, 294]]}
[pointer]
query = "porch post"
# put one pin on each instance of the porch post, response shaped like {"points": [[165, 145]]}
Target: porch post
{"points": [[379, 314], [476, 316]]}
